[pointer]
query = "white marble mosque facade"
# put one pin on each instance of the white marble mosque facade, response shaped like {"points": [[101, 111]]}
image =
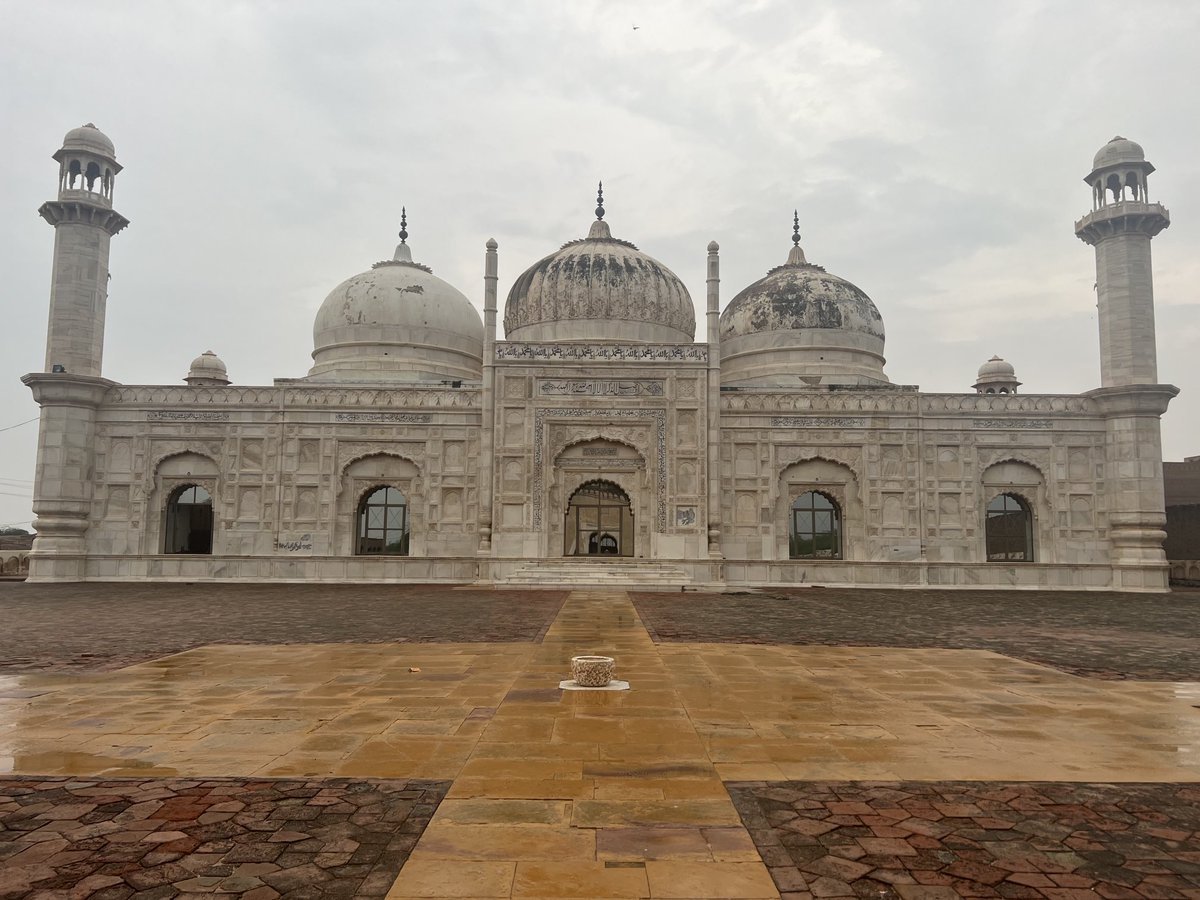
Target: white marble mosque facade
{"points": [[601, 382]]}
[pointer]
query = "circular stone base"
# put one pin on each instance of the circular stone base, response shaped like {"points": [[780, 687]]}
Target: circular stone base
{"points": [[613, 685]]}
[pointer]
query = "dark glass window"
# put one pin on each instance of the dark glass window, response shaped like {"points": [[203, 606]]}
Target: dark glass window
{"points": [[189, 525], [1009, 530], [383, 523], [816, 528]]}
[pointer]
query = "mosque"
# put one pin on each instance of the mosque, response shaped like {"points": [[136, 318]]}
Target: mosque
{"points": [[599, 440]]}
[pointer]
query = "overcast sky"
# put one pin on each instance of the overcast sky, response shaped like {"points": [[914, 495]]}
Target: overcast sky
{"points": [[935, 151]]}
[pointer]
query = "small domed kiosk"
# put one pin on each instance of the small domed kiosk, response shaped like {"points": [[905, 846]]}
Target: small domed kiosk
{"points": [[996, 376], [207, 370]]}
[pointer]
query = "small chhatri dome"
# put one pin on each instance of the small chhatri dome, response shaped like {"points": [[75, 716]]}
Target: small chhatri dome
{"points": [[599, 288], [801, 325], [996, 377], [1117, 152], [397, 322], [207, 370], [89, 139]]}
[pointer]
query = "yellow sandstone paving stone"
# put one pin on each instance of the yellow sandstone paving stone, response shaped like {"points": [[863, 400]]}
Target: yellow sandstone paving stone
{"points": [[578, 879], [529, 750], [602, 813], [466, 879], [520, 730], [662, 842], [513, 842], [588, 731], [522, 788], [685, 879], [524, 768], [510, 812]]}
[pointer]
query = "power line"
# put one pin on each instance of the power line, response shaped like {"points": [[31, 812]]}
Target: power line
{"points": [[19, 424]]}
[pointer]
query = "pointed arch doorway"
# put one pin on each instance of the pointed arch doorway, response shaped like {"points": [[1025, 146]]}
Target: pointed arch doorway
{"points": [[599, 522]]}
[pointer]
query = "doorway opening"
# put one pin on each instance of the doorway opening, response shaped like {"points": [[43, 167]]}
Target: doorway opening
{"points": [[599, 522]]}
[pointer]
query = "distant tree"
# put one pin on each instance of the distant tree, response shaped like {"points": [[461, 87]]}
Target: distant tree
{"points": [[8, 530]]}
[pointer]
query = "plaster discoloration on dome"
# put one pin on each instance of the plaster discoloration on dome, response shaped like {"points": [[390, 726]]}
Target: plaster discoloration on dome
{"points": [[800, 325], [397, 321], [600, 288], [796, 297]]}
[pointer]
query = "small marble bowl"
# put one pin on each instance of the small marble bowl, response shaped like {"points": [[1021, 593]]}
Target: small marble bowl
{"points": [[592, 671]]}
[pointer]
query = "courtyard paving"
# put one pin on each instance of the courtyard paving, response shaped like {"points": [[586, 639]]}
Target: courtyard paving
{"points": [[728, 770]]}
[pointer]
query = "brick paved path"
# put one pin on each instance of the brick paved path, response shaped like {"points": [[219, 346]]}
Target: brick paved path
{"points": [[103, 626], [152, 840], [943, 840], [1147, 636]]}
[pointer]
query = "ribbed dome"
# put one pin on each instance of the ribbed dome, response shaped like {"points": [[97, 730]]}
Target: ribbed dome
{"points": [[800, 324], [397, 322], [90, 139], [599, 288], [207, 369], [1117, 152]]}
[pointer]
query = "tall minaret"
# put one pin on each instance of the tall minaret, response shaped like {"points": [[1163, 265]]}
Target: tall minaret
{"points": [[70, 389], [1120, 226]]}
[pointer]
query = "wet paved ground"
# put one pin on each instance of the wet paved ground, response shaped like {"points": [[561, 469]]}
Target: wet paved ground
{"points": [[939, 841], [162, 838], [574, 794], [1143, 636], [106, 625]]}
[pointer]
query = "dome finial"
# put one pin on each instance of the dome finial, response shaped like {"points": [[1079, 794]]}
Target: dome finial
{"points": [[796, 254], [796, 227], [403, 225], [600, 201]]}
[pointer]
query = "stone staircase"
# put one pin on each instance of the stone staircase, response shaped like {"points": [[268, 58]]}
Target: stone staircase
{"points": [[617, 573]]}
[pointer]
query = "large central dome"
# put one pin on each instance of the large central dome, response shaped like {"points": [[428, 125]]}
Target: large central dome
{"points": [[599, 288]]}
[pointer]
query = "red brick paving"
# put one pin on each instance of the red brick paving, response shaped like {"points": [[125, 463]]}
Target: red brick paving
{"points": [[943, 840], [90, 626], [1099, 634], [115, 839]]}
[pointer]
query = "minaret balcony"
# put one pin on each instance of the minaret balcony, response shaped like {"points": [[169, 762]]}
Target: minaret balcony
{"points": [[1123, 217]]}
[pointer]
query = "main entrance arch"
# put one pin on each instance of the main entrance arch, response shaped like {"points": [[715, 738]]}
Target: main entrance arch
{"points": [[599, 521]]}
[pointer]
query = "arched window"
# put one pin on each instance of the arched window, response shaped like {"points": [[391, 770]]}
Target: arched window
{"points": [[599, 522], [1009, 530], [189, 527], [815, 530], [383, 523]]}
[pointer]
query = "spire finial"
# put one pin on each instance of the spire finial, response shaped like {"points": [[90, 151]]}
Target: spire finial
{"points": [[600, 201], [403, 225], [796, 227]]}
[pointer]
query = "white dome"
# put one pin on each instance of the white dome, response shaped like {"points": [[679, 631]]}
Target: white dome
{"points": [[89, 139], [1119, 151], [996, 376], [799, 325], [599, 288], [207, 369], [397, 322]]}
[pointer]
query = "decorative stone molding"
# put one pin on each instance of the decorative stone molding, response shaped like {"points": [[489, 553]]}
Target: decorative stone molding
{"points": [[1056, 403], [601, 388], [185, 415], [1036, 459], [385, 418], [57, 212], [885, 402], [569, 352], [292, 397], [815, 422], [659, 419], [1012, 423], [850, 460], [350, 452]]}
